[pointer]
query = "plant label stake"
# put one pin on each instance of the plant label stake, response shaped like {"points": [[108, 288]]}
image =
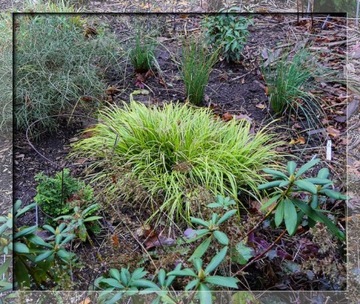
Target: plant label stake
{"points": [[328, 150]]}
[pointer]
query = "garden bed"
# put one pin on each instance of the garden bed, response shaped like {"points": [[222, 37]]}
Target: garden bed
{"points": [[309, 260]]}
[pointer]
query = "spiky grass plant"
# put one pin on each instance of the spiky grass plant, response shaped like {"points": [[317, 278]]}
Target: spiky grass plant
{"points": [[56, 65], [289, 84], [172, 152], [142, 53], [196, 67]]}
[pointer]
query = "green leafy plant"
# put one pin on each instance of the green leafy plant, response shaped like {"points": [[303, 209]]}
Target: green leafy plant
{"points": [[60, 194], [290, 207], [169, 152], [289, 85], [39, 260], [56, 66], [196, 66], [201, 278], [211, 231], [80, 221], [142, 54], [6, 249], [227, 31]]}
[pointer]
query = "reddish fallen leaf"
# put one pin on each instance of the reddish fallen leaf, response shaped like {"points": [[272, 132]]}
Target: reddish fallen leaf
{"points": [[157, 241], [86, 98], [115, 240], [149, 74], [227, 117], [335, 133], [112, 90], [300, 140]]}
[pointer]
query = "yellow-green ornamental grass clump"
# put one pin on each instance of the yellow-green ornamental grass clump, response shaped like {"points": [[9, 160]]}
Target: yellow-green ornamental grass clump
{"points": [[173, 151]]}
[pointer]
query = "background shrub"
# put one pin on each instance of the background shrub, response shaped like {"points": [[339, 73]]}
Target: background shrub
{"points": [[174, 154], [5, 72], [56, 65]]}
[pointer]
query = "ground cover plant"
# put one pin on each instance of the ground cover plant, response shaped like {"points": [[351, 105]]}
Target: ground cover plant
{"points": [[191, 197]]}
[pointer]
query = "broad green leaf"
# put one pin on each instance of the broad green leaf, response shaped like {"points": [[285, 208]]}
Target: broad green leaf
{"points": [[20, 212], [216, 260], [43, 256], [318, 181], [270, 202], [39, 241], [315, 201], [333, 194], [306, 186], [198, 221], [21, 248], [125, 276], [22, 276], [275, 173], [270, 185], [279, 214], [92, 218], [204, 294], [222, 281], [319, 217], [67, 239], [113, 283], [226, 216], [161, 277], [183, 273], [221, 237], [4, 267], [198, 264], [26, 231], [115, 298], [291, 166], [290, 217], [192, 284], [144, 284], [114, 273], [307, 166], [284, 184], [201, 249], [214, 205], [138, 273], [49, 228], [65, 255], [323, 173]]}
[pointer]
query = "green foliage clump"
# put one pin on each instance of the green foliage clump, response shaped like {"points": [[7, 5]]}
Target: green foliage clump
{"points": [[196, 67], [229, 32], [287, 203], [289, 84], [5, 72], [172, 151], [60, 194], [142, 54], [38, 261], [341, 6], [57, 65]]}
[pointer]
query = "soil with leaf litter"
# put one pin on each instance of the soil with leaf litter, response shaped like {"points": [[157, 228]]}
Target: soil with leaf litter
{"points": [[302, 262]]}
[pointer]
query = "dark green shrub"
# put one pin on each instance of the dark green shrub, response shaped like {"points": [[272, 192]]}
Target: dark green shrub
{"points": [[60, 194], [229, 32]]}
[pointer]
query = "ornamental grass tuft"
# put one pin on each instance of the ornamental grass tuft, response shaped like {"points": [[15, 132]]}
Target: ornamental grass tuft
{"points": [[173, 153]]}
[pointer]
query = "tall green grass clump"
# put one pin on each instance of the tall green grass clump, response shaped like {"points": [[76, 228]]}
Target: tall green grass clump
{"points": [[5, 73], [142, 53], [289, 83], [196, 67], [57, 66], [174, 154]]}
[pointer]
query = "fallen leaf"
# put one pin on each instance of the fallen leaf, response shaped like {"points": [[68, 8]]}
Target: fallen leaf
{"points": [[300, 140], [261, 106], [86, 301], [90, 31], [227, 117], [115, 240], [242, 116], [141, 92], [335, 133], [112, 90], [157, 241]]}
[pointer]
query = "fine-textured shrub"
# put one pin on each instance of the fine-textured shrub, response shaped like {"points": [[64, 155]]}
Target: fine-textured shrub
{"points": [[196, 67], [5, 72], [58, 67], [173, 154]]}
